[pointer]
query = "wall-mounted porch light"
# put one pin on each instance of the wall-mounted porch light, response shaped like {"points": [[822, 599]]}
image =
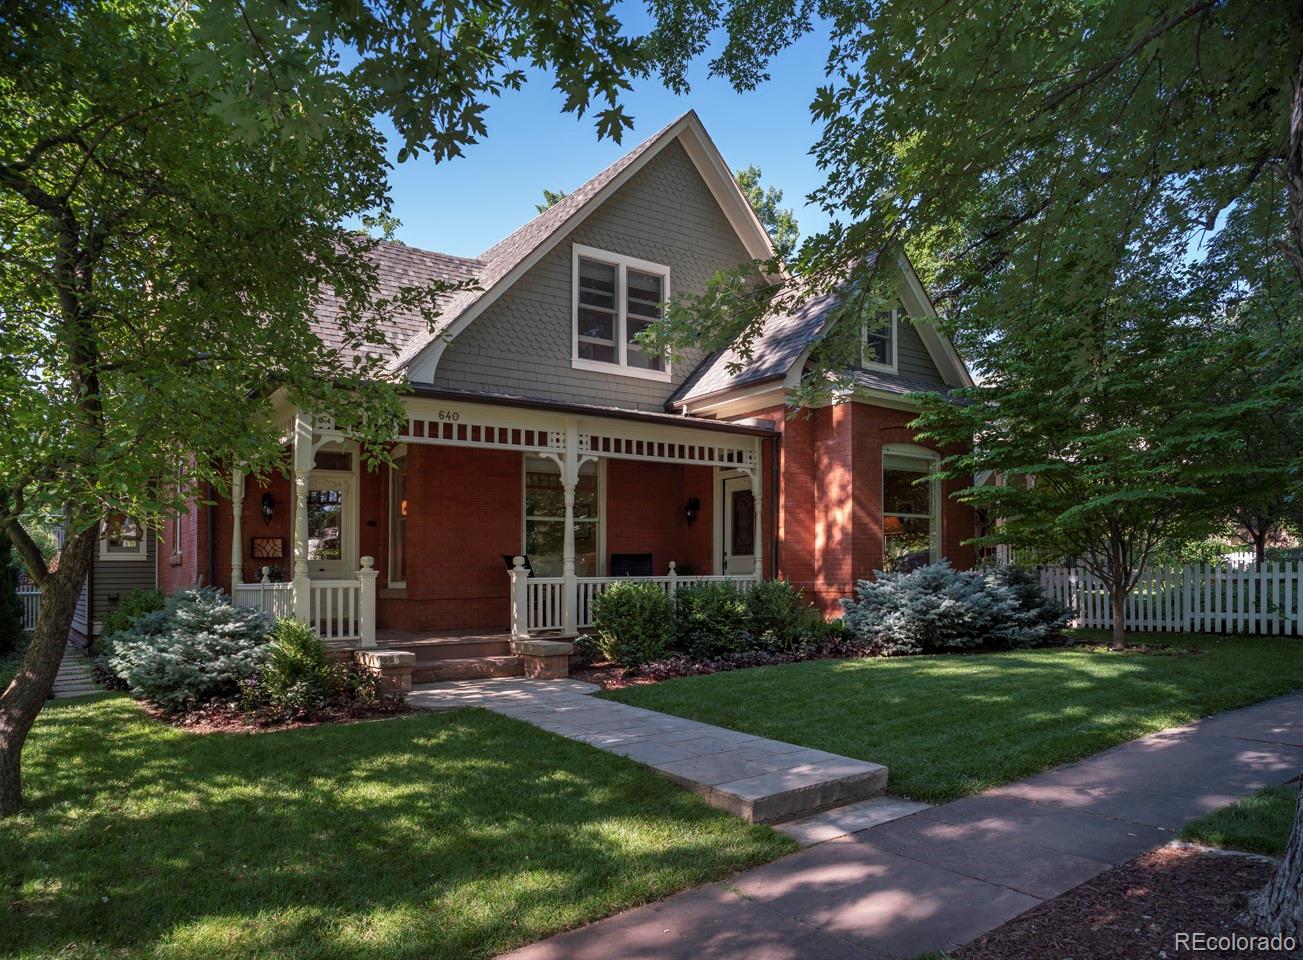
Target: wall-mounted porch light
{"points": [[691, 509], [268, 508]]}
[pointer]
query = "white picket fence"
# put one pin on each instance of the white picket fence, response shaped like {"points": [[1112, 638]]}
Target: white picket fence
{"points": [[30, 598], [1196, 598]]}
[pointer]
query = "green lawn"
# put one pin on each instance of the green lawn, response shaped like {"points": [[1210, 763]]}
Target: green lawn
{"points": [[952, 725], [1258, 824], [453, 835]]}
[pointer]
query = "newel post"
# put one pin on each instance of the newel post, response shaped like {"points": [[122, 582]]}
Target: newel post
{"points": [[674, 579], [366, 603], [519, 599]]}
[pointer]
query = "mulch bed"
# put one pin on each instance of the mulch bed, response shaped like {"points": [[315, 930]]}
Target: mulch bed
{"points": [[228, 718], [608, 676], [1135, 911]]}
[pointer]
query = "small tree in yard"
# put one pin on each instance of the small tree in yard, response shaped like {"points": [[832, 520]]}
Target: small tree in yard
{"points": [[1092, 418], [174, 181]]}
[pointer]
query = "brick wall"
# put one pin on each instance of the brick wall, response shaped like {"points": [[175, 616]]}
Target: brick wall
{"points": [[830, 498], [644, 514]]}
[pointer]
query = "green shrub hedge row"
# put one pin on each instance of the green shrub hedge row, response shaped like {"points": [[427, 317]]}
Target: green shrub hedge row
{"points": [[636, 623]]}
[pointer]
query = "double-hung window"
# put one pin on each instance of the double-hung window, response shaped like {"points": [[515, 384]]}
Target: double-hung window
{"points": [[615, 299], [878, 346]]}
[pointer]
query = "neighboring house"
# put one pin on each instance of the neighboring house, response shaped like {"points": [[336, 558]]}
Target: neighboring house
{"points": [[538, 428], [126, 559]]}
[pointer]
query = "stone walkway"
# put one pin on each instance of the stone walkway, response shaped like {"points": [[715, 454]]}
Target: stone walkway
{"points": [[74, 678], [759, 780], [948, 874]]}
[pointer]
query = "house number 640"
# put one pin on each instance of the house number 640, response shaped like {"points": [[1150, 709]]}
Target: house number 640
{"points": [[452, 416]]}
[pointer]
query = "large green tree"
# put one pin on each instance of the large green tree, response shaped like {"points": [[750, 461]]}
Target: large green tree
{"points": [[1029, 156], [780, 221], [174, 182]]}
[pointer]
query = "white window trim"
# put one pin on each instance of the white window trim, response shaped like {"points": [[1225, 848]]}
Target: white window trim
{"points": [[399, 451], [135, 556], [893, 344], [933, 517], [601, 509], [622, 264]]}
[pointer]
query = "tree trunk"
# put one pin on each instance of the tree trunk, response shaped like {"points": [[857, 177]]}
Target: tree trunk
{"points": [[1278, 908], [1118, 602], [1260, 546], [30, 688]]}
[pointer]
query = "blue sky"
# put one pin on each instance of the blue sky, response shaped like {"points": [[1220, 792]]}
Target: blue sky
{"points": [[464, 205]]}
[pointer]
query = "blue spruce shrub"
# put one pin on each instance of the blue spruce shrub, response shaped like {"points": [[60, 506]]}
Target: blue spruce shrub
{"points": [[197, 648], [935, 608]]}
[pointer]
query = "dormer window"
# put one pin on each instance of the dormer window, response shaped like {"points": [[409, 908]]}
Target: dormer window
{"points": [[878, 347], [616, 298]]}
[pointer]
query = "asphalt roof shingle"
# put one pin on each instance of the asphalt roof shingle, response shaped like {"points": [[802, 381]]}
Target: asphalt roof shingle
{"points": [[397, 266]]}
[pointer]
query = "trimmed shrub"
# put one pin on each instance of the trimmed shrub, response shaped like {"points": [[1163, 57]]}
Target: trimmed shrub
{"points": [[130, 608], [780, 617], [935, 608], [710, 620], [197, 648], [634, 623], [298, 676]]}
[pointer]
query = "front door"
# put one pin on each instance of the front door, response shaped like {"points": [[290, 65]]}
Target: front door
{"points": [[739, 505], [332, 527]]}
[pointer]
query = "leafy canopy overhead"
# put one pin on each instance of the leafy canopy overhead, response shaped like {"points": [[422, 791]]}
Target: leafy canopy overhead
{"points": [[974, 137]]}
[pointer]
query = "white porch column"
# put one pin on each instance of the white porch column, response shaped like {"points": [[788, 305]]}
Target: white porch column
{"points": [[569, 479], [237, 531], [757, 487], [519, 599], [303, 460], [366, 603]]}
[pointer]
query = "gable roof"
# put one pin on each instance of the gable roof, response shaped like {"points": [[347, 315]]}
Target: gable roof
{"points": [[397, 266], [784, 344], [509, 258]]}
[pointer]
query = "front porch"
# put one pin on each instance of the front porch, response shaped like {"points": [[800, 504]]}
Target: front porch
{"points": [[496, 523]]}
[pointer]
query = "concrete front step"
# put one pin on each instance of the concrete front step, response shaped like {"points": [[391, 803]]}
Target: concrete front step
{"points": [[467, 668], [457, 648], [787, 791]]}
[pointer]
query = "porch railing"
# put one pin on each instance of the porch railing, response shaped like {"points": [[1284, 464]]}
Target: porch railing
{"points": [[276, 599], [30, 599], [341, 611], [539, 603]]}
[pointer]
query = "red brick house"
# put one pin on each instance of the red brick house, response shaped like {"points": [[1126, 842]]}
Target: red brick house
{"points": [[537, 428]]}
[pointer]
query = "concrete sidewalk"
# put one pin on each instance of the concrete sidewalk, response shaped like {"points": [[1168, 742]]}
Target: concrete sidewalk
{"points": [[948, 874], [759, 780]]}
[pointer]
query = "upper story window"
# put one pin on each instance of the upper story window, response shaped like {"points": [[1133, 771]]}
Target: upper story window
{"points": [[878, 346], [121, 538], [616, 298]]}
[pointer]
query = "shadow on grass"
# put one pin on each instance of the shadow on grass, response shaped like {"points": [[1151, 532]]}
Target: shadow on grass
{"points": [[455, 835], [947, 726]]}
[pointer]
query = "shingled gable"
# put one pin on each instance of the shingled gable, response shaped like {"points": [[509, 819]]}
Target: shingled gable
{"points": [[507, 260], [780, 352]]}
